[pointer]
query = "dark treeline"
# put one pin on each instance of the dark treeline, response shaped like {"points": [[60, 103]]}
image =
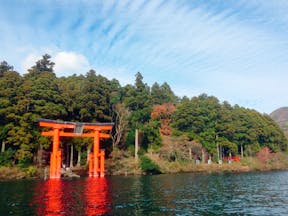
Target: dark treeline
{"points": [[204, 121]]}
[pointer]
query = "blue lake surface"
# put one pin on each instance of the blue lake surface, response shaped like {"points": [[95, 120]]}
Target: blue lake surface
{"points": [[259, 193]]}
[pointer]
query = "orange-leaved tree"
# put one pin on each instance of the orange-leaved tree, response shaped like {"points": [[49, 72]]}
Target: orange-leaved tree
{"points": [[163, 113]]}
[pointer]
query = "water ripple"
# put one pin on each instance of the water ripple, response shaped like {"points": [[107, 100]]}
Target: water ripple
{"points": [[181, 194]]}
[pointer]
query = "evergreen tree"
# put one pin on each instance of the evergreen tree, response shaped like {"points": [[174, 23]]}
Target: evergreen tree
{"points": [[37, 96], [137, 99], [43, 65], [5, 67], [162, 94]]}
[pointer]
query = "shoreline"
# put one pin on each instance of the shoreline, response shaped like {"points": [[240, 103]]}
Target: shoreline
{"points": [[133, 168], [218, 171]]}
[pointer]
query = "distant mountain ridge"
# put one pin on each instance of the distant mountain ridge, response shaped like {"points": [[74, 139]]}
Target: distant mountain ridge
{"points": [[281, 117]]}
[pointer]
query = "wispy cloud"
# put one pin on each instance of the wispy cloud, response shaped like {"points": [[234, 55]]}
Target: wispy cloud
{"points": [[226, 48]]}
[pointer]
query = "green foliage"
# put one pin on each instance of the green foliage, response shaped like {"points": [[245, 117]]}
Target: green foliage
{"points": [[151, 134], [228, 147], [130, 138], [148, 166], [252, 149], [141, 152], [83, 158], [131, 150], [6, 157], [31, 171], [5, 67], [204, 118], [162, 94], [43, 65], [137, 99], [24, 162]]}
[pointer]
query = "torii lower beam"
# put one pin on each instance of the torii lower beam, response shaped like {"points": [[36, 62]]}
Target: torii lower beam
{"points": [[93, 130]]}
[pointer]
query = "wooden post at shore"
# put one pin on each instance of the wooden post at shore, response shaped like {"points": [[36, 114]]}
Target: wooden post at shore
{"points": [[3, 146], [136, 144]]}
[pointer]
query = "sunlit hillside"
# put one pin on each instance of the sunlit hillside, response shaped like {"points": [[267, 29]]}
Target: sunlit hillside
{"points": [[281, 117]]}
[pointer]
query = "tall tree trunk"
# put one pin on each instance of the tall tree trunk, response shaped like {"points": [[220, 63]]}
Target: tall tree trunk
{"points": [[67, 156], [221, 152], [242, 154], [39, 155], [3, 146], [218, 152], [190, 153], [71, 156], [136, 144], [121, 122], [79, 158], [203, 156]]}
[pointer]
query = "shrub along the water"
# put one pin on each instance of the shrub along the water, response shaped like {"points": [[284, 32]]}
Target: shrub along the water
{"points": [[148, 166], [6, 157]]}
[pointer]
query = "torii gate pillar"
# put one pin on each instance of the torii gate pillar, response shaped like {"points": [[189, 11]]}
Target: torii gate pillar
{"points": [[94, 157], [97, 158], [56, 156]]}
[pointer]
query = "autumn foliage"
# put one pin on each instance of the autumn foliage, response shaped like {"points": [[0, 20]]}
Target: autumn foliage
{"points": [[264, 155], [163, 113], [268, 159]]}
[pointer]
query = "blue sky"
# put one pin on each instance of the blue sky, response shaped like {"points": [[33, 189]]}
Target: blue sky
{"points": [[234, 50]]}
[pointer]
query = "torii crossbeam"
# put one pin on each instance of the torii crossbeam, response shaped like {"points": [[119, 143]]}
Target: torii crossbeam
{"points": [[76, 129]]}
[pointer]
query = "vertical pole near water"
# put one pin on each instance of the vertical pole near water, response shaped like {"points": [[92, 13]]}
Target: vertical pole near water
{"points": [[136, 144], [55, 164], [96, 152], [3, 147]]}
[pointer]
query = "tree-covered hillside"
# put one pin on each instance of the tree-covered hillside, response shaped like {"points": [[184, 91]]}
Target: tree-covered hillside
{"points": [[281, 117], [202, 122], [235, 130]]}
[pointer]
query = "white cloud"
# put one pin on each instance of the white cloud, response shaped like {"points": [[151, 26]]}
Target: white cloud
{"points": [[29, 61], [69, 63], [66, 63]]}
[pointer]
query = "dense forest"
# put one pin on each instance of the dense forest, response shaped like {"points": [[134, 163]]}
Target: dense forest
{"points": [[176, 128]]}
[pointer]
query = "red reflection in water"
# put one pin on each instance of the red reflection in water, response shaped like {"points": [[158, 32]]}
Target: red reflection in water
{"points": [[96, 193], [54, 192], [76, 197], [48, 200]]}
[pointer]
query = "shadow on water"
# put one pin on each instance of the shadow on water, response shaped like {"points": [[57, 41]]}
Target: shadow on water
{"points": [[15, 197]]}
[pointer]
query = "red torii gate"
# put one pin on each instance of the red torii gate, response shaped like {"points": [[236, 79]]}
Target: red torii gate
{"points": [[93, 130]]}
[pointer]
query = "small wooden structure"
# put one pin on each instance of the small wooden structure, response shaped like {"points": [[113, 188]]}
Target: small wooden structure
{"points": [[76, 129]]}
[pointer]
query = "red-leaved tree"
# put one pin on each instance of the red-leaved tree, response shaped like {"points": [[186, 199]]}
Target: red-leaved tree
{"points": [[163, 113]]}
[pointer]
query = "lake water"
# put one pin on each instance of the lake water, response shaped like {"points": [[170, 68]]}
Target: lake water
{"points": [[179, 194]]}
